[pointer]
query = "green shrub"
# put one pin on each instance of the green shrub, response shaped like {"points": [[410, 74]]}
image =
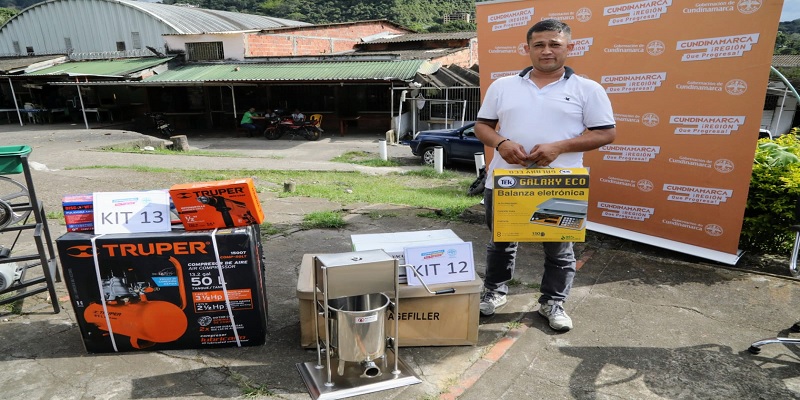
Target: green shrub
{"points": [[774, 193]]}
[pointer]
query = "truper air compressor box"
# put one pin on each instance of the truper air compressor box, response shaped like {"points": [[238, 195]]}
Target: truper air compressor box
{"points": [[167, 290], [217, 204], [540, 204]]}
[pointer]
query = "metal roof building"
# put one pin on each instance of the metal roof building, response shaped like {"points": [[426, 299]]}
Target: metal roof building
{"points": [[116, 28]]}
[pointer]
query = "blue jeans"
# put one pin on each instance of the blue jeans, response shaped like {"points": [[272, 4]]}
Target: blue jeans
{"points": [[559, 263], [251, 128]]}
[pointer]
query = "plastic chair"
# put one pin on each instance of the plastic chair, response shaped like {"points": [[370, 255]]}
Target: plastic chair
{"points": [[315, 119], [755, 348], [31, 114]]}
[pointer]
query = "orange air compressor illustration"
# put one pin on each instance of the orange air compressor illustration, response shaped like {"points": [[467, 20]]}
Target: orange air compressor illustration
{"points": [[224, 207], [131, 314]]}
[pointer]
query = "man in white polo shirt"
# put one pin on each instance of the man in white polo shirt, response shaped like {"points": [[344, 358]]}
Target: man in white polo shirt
{"points": [[547, 117]]}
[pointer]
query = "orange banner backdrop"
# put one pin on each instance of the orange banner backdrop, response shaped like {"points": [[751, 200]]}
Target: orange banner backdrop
{"points": [[687, 80]]}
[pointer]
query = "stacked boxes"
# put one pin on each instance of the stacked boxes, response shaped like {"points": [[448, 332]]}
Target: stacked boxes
{"points": [[166, 290], [425, 319], [217, 204], [78, 212]]}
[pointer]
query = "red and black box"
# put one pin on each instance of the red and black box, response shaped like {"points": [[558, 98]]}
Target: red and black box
{"points": [[78, 212], [164, 290]]}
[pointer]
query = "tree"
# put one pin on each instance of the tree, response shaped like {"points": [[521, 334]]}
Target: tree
{"points": [[787, 43], [6, 14]]}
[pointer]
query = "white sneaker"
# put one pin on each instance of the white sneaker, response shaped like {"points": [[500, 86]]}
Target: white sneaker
{"points": [[554, 312], [491, 301]]}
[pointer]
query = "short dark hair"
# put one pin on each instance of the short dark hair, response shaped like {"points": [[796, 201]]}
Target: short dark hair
{"points": [[549, 25]]}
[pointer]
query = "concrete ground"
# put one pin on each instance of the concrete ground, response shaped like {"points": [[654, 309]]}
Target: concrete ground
{"points": [[649, 323]]}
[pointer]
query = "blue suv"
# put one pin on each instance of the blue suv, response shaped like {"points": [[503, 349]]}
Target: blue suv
{"points": [[458, 144]]}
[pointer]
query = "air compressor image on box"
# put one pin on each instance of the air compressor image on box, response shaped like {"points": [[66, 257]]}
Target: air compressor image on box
{"points": [[224, 207], [131, 314]]}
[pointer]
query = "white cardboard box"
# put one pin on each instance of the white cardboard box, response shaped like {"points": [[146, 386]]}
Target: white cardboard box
{"points": [[394, 243], [425, 319]]}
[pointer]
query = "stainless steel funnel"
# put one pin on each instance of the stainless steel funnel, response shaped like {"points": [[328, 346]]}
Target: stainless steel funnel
{"points": [[358, 331]]}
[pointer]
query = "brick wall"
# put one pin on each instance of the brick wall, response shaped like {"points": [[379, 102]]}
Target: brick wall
{"points": [[461, 58], [473, 48], [314, 40]]}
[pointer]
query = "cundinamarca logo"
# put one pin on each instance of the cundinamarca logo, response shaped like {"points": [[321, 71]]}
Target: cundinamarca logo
{"points": [[510, 19], [644, 82], [581, 46], [717, 47], [630, 13], [706, 124], [629, 153]]}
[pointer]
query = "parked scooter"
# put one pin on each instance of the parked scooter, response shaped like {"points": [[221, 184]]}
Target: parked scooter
{"points": [[279, 125], [161, 125]]}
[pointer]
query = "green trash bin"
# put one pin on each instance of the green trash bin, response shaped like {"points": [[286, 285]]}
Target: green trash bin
{"points": [[11, 159]]}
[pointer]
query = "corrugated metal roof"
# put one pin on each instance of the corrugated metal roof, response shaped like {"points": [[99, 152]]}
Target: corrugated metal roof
{"points": [[89, 26], [786, 60], [422, 54], [20, 63], [310, 71], [345, 24], [426, 37], [186, 20], [118, 68]]}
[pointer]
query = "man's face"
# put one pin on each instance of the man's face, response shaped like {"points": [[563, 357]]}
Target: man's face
{"points": [[548, 50]]}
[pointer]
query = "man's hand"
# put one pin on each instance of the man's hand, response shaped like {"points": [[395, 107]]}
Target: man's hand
{"points": [[513, 153], [543, 154]]}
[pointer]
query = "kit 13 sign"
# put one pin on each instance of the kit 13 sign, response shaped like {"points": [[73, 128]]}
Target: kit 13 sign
{"points": [[130, 212]]}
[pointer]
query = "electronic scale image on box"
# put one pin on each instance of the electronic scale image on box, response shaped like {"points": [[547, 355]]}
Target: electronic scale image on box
{"points": [[561, 213]]}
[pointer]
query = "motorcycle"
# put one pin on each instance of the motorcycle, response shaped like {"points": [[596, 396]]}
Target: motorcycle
{"points": [[161, 125], [278, 126]]}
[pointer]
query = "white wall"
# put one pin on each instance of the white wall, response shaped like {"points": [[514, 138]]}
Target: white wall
{"points": [[232, 43]]}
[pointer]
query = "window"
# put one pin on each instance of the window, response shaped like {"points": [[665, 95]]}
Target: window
{"points": [[204, 51], [17, 49], [68, 44], [771, 102], [136, 40], [120, 46]]}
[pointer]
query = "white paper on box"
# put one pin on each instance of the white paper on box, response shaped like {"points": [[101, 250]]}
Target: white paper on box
{"points": [[131, 212], [441, 263]]}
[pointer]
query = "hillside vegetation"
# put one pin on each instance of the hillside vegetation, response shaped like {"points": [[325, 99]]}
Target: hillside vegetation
{"points": [[788, 40], [419, 15]]}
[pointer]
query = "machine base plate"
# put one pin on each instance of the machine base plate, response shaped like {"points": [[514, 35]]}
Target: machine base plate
{"points": [[351, 383]]}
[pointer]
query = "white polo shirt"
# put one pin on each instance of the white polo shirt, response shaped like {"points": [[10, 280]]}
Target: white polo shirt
{"points": [[561, 110]]}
